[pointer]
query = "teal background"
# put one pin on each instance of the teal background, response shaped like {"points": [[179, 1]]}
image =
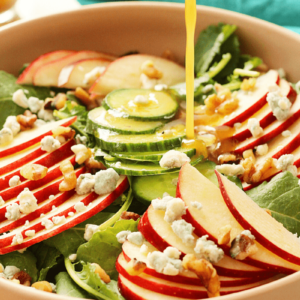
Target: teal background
{"points": [[282, 12]]}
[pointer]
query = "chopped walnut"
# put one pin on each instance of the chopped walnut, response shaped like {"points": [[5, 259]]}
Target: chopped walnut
{"points": [[43, 286], [26, 120], [224, 235], [249, 168], [269, 163], [226, 157], [249, 154], [228, 106], [92, 164], [149, 70], [102, 274], [58, 102], [127, 215], [67, 132], [212, 102], [242, 246], [23, 278], [135, 267], [248, 84], [70, 178], [205, 272], [85, 98], [33, 171]]}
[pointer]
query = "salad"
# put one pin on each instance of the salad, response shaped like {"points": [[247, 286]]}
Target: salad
{"points": [[103, 197]]}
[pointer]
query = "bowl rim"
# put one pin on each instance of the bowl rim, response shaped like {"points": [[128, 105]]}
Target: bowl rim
{"points": [[277, 284]]}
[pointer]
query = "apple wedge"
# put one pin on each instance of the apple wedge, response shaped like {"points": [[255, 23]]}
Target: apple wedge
{"points": [[93, 202], [265, 115], [250, 103], [28, 138], [160, 234], [174, 289], [42, 195], [53, 173], [47, 159], [73, 75], [125, 73], [131, 251], [47, 74], [215, 214], [27, 75], [272, 131], [267, 231]]}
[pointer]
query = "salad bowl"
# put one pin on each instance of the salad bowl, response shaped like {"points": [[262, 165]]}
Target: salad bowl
{"points": [[150, 28]]}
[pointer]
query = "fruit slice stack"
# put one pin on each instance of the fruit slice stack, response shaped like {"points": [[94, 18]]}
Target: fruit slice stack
{"points": [[38, 225], [278, 250]]}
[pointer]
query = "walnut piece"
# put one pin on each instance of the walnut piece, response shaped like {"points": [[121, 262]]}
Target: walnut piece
{"points": [[70, 178], [149, 69], [23, 277], [26, 120], [102, 274], [33, 171], [224, 235], [127, 215], [205, 272], [242, 246], [43, 286], [135, 267], [84, 96]]}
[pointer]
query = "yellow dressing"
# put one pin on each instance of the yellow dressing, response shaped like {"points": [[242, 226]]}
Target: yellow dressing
{"points": [[190, 21]]}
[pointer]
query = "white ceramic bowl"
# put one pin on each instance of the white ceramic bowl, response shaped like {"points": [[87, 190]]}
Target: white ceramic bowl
{"points": [[151, 28]]}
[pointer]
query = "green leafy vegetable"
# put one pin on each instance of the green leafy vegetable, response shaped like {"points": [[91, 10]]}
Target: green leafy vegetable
{"points": [[282, 197], [47, 257], [67, 287], [88, 280], [103, 248], [8, 86], [248, 62], [25, 261], [209, 45], [68, 241]]}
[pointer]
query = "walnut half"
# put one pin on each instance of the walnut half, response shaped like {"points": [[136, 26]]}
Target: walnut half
{"points": [[242, 246]]}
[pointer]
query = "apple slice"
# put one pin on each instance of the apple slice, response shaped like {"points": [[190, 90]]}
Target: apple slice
{"points": [[47, 74], [267, 231], [175, 289], [265, 115], [250, 103], [215, 215], [42, 195], [160, 234], [131, 251], [53, 173], [28, 138], [125, 73], [72, 76], [272, 131], [47, 159], [27, 75], [93, 202]]}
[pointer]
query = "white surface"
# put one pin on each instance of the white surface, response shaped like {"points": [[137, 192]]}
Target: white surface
{"points": [[29, 9]]}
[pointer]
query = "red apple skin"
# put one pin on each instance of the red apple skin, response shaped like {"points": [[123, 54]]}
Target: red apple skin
{"points": [[71, 222], [250, 111], [41, 195], [267, 137], [259, 237], [47, 161], [33, 141], [197, 281], [27, 74], [127, 293], [267, 120], [32, 185]]}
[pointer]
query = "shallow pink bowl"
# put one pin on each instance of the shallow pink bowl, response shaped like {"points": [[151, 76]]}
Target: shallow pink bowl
{"points": [[151, 28]]}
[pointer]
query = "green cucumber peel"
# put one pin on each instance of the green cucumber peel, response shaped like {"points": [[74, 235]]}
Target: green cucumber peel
{"points": [[245, 73], [214, 70]]}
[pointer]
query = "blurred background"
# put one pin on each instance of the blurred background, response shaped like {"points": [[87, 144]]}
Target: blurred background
{"points": [[285, 13]]}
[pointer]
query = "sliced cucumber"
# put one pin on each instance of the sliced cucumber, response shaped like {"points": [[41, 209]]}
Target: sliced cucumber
{"points": [[145, 189], [101, 118], [160, 105], [168, 137], [127, 167], [150, 156]]}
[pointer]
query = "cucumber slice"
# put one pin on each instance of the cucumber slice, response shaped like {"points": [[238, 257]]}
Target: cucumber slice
{"points": [[160, 104], [168, 137], [150, 156], [127, 167], [101, 118], [145, 189]]}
